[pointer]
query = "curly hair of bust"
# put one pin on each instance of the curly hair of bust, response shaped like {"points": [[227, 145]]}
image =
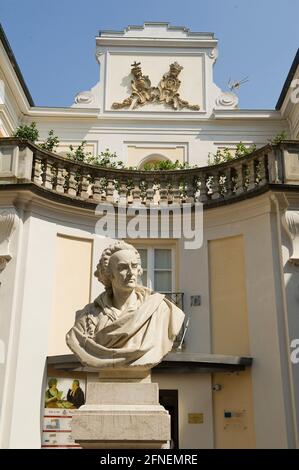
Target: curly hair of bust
{"points": [[102, 273]]}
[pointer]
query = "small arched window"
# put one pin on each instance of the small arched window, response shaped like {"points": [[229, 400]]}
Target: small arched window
{"points": [[152, 159]]}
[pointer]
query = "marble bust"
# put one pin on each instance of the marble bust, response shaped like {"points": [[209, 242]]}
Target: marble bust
{"points": [[128, 325]]}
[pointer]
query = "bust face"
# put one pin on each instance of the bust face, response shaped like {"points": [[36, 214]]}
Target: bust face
{"points": [[124, 266]]}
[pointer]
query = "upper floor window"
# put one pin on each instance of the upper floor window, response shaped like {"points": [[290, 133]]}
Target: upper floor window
{"points": [[157, 264]]}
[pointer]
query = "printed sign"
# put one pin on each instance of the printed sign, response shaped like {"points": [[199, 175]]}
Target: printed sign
{"points": [[62, 397]]}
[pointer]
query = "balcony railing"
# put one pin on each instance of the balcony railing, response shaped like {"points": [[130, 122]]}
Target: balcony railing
{"points": [[24, 162]]}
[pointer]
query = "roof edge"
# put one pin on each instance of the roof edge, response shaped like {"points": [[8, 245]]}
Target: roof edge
{"points": [[167, 24], [288, 81], [15, 65]]}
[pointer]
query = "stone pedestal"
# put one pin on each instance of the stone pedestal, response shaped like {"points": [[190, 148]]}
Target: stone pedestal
{"points": [[122, 415]]}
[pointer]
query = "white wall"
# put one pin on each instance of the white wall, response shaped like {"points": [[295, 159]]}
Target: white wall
{"points": [[199, 139], [194, 396]]}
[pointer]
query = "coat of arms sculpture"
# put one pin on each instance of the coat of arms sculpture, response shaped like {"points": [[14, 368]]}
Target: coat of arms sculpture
{"points": [[167, 91]]}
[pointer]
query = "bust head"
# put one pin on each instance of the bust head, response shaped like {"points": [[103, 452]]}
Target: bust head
{"points": [[119, 267]]}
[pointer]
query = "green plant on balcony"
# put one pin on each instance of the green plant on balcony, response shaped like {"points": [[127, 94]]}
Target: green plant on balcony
{"points": [[167, 165], [105, 159], [31, 133], [27, 132], [225, 155], [78, 154], [242, 150], [51, 143], [281, 136]]}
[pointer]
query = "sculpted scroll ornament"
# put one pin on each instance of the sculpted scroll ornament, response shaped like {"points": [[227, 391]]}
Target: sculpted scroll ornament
{"points": [[166, 92], [8, 223]]}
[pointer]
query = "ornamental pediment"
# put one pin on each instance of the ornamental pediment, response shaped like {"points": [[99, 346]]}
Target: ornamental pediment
{"points": [[154, 69]]}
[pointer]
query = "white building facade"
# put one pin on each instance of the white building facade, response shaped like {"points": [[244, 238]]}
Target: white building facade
{"points": [[232, 384]]}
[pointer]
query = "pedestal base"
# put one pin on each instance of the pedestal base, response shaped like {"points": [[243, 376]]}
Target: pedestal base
{"points": [[121, 415]]}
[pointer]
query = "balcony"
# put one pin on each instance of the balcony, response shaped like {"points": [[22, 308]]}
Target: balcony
{"points": [[26, 165]]}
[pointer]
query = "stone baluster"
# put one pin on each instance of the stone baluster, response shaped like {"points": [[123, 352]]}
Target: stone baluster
{"points": [[136, 192], [228, 182], [150, 192], [238, 179], [251, 175], [122, 191], [110, 189], [221, 184], [163, 191], [60, 179], [209, 184], [203, 196], [84, 184], [37, 171], [48, 175], [260, 171], [215, 186], [72, 183], [175, 190], [97, 189], [189, 189], [264, 170]]}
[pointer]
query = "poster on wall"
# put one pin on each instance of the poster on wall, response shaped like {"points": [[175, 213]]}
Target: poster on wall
{"points": [[62, 397]]}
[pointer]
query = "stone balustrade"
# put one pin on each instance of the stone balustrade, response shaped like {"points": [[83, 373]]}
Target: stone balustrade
{"points": [[24, 162]]}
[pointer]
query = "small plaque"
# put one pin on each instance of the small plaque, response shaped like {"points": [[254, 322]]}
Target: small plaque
{"points": [[235, 419], [195, 418], [195, 300]]}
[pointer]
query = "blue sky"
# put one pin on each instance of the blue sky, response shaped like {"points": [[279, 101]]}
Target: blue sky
{"points": [[54, 41]]}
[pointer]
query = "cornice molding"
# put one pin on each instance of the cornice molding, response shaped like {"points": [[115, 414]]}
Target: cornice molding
{"points": [[176, 43], [248, 114]]}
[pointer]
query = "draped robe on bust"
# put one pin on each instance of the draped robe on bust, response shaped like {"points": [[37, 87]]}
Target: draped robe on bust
{"points": [[141, 336]]}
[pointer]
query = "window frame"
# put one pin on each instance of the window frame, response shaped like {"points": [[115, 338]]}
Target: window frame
{"points": [[150, 249]]}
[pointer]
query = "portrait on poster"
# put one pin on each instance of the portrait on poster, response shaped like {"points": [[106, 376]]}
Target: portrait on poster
{"points": [[64, 393], [62, 397]]}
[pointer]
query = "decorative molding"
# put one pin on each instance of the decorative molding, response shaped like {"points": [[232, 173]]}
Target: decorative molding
{"points": [[88, 98], [155, 34], [142, 30], [8, 223], [227, 100], [290, 221], [84, 97], [213, 54]]}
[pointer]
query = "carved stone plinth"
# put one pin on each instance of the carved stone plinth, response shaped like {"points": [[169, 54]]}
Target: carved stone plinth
{"points": [[120, 415]]}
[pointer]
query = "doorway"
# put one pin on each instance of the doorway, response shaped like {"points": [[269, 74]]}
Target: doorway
{"points": [[169, 399]]}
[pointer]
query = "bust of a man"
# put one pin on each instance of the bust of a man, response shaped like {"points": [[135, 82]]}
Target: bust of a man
{"points": [[128, 325]]}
